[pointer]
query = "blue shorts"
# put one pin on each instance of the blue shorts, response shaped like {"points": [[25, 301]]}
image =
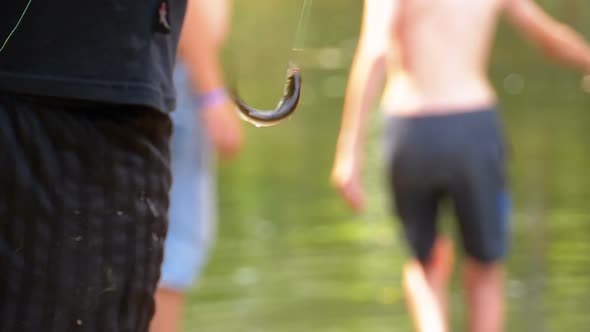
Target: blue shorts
{"points": [[460, 157], [192, 197]]}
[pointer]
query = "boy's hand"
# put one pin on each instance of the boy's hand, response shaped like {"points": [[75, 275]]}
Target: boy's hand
{"points": [[346, 178], [223, 129]]}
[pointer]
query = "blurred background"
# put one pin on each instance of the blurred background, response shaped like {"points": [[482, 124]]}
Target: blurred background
{"points": [[289, 256]]}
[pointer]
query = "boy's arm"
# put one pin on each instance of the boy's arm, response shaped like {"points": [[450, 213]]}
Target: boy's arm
{"points": [[204, 31], [366, 75], [558, 41]]}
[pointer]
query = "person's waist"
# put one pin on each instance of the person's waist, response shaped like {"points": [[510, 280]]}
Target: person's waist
{"points": [[70, 103], [435, 109], [88, 94], [428, 99]]}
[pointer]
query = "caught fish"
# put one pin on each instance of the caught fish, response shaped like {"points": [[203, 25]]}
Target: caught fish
{"points": [[286, 106]]}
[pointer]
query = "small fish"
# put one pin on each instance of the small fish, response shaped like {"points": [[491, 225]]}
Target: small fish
{"points": [[287, 105]]}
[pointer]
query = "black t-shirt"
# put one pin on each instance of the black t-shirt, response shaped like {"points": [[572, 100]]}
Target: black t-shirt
{"points": [[112, 51]]}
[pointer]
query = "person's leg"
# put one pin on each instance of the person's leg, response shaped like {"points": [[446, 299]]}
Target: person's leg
{"points": [[482, 206], [169, 305], [192, 210], [188, 241], [422, 303], [483, 228], [425, 277], [484, 286], [84, 215], [439, 268], [425, 286], [483, 275], [412, 184]]}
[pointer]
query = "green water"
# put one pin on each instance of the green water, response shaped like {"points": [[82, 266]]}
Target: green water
{"points": [[290, 257]]}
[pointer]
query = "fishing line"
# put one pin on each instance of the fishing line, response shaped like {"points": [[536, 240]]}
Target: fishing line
{"points": [[16, 26], [302, 26], [292, 89]]}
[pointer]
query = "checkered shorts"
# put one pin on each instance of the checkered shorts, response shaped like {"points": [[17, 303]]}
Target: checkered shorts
{"points": [[83, 214]]}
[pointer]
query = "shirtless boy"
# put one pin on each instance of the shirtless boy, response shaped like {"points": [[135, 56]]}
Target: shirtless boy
{"points": [[445, 137]]}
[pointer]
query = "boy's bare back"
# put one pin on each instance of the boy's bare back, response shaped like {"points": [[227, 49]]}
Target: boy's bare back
{"points": [[442, 49]]}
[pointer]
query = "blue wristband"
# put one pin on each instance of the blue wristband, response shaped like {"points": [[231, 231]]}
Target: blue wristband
{"points": [[212, 98]]}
